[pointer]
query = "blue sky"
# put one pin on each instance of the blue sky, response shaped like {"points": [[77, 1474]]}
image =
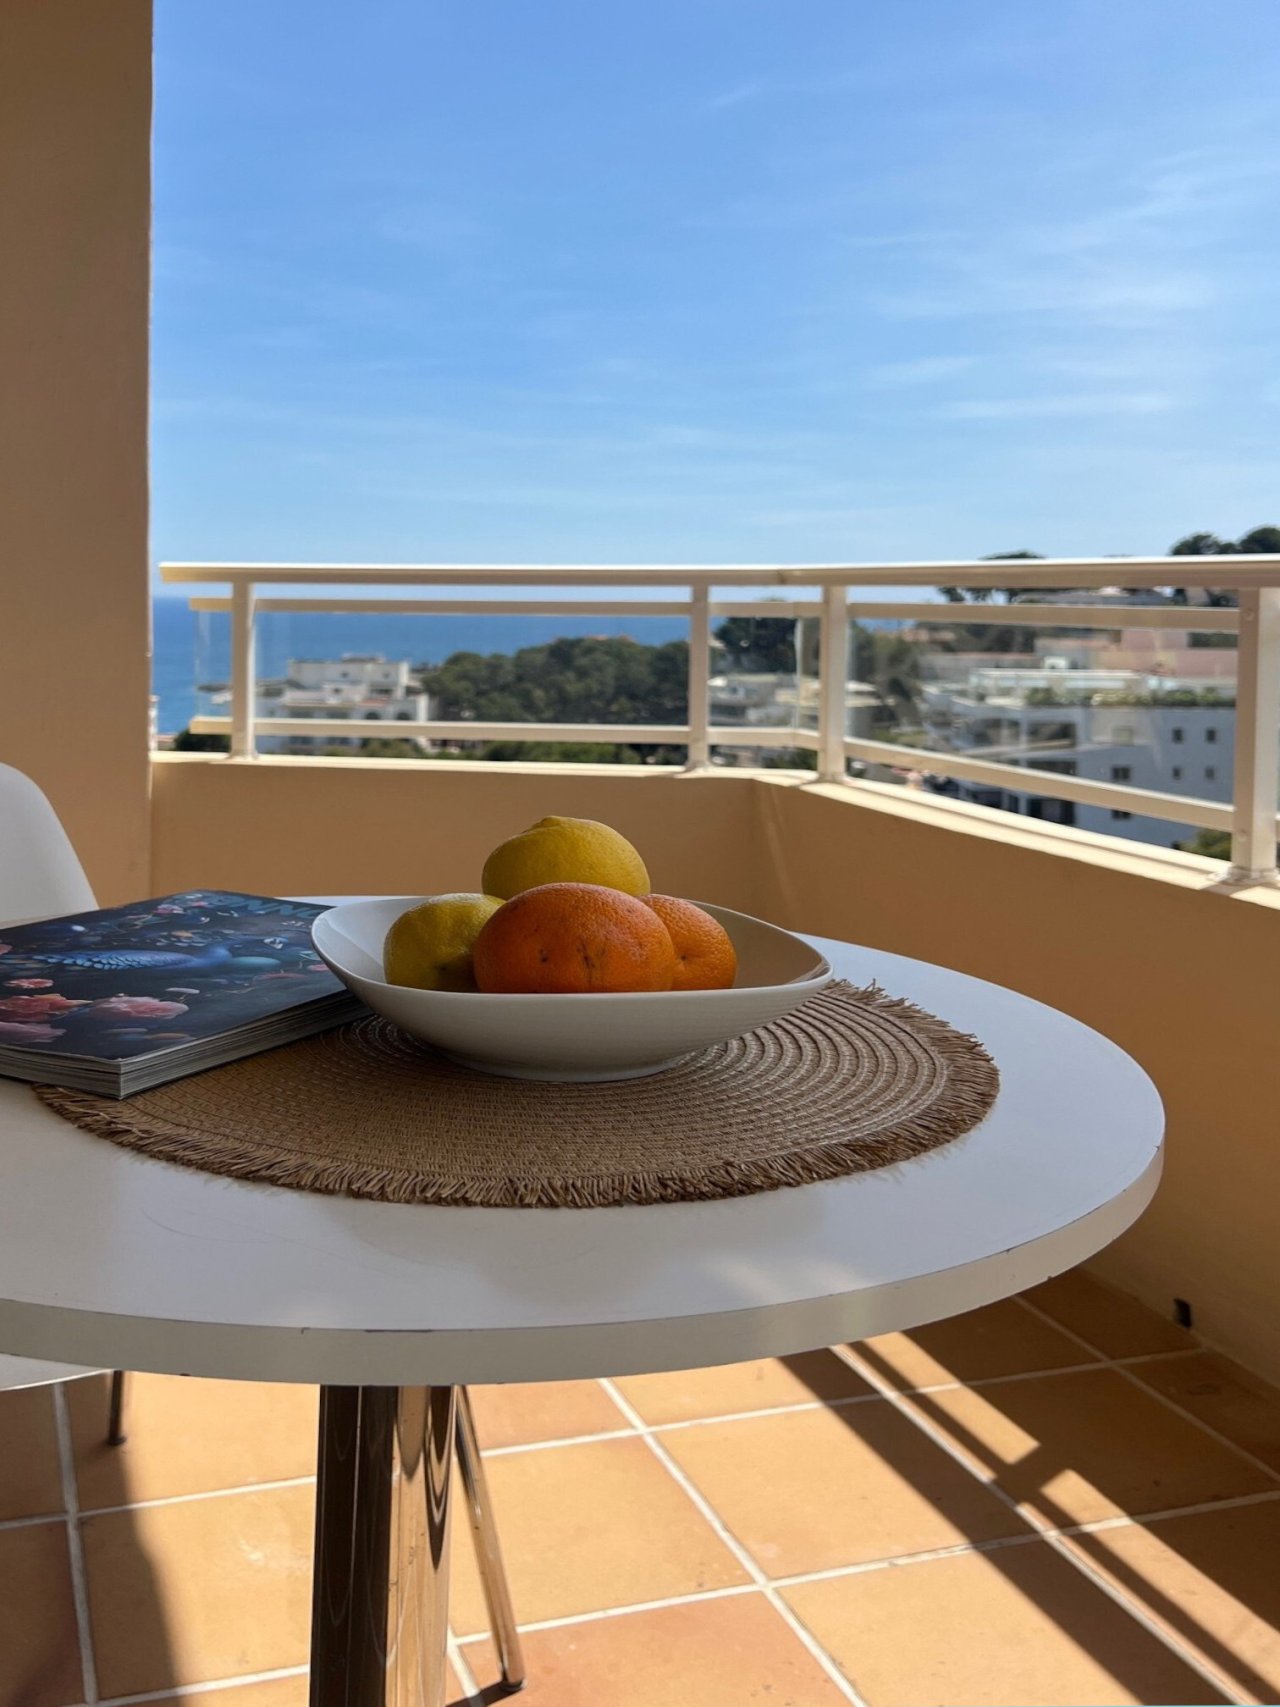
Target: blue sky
{"points": [[715, 280]]}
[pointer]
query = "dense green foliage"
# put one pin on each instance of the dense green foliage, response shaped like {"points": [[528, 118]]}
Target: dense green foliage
{"points": [[581, 680], [1213, 844]]}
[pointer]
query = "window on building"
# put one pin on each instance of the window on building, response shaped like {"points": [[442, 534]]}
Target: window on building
{"points": [[1177, 734], [1211, 773], [1121, 773], [1176, 773], [1119, 817], [1211, 734]]}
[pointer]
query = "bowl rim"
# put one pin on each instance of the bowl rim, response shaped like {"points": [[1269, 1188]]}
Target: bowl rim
{"points": [[821, 975]]}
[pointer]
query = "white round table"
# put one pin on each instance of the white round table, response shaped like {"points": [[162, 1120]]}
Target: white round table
{"points": [[107, 1258]]}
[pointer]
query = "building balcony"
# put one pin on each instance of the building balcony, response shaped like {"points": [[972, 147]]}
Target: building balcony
{"points": [[1064, 1498], [1067, 1498]]}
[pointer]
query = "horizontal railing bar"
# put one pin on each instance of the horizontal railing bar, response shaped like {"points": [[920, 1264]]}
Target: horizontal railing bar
{"points": [[1024, 779], [1256, 569], [1199, 619], [743, 735], [787, 610], [362, 728], [463, 729], [784, 610]]}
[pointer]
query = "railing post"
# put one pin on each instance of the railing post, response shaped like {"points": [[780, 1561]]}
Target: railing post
{"points": [[1253, 830], [699, 749], [833, 667], [243, 672]]}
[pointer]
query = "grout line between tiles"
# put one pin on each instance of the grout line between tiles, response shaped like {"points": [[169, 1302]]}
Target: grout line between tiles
{"points": [[796, 1625], [799, 1405], [695, 1597], [863, 1567], [1048, 1534], [466, 1677], [203, 1494], [1121, 1367], [183, 1689], [75, 1544]]}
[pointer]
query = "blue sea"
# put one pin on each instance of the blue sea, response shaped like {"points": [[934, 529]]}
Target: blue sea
{"points": [[191, 648]]}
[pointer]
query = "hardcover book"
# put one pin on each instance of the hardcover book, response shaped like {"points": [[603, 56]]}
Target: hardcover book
{"points": [[127, 998]]}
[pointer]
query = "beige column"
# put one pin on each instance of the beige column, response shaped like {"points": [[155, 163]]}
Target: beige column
{"points": [[75, 216]]}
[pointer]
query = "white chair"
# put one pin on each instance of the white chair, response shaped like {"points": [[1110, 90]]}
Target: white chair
{"points": [[40, 878]]}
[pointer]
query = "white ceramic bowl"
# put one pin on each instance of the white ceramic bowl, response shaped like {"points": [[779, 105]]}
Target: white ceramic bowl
{"points": [[573, 1037]]}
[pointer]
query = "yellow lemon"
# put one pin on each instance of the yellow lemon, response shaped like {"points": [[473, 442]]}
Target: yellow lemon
{"points": [[429, 947], [565, 850]]}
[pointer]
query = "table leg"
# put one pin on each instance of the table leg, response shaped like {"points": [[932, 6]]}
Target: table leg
{"points": [[380, 1605], [484, 1533]]}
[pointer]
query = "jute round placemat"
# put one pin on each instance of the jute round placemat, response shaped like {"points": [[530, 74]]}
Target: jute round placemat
{"points": [[852, 1080]]}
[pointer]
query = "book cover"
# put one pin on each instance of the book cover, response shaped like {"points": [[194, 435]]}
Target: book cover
{"points": [[181, 977]]}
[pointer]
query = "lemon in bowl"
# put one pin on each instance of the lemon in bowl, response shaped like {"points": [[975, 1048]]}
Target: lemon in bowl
{"points": [[429, 946]]}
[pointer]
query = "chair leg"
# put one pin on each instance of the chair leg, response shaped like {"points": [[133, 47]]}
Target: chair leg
{"points": [[484, 1532], [116, 1435]]}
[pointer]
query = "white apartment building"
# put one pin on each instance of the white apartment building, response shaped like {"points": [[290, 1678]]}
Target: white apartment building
{"points": [[359, 688], [1103, 725]]}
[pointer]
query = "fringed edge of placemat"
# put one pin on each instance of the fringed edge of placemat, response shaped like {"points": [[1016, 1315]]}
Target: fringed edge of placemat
{"points": [[973, 1083]]}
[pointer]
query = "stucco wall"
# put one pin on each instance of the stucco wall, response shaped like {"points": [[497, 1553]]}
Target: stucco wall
{"points": [[336, 826], [75, 179], [1134, 944]]}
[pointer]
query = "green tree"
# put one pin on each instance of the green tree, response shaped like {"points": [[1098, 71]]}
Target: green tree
{"points": [[185, 742], [1213, 844], [1201, 545], [575, 680], [763, 643], [1260, 539]]}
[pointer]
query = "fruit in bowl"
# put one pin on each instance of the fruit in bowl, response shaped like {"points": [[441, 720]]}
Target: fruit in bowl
{"points": [[572, 938], [549, 971], [429, 947], [565, 850], [565, 909]]}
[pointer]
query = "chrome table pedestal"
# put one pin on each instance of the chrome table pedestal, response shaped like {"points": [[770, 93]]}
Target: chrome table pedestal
{"points": [[380, 1608]]}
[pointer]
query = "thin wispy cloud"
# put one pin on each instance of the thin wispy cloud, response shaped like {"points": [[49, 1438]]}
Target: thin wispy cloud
{"points": [[1048, 408], [657, 284], [736, 96], [921, 370]]}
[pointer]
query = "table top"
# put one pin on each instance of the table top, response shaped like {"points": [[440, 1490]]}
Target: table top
{"points": [[111, 1259]]}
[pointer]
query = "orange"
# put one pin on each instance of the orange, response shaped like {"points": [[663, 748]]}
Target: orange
{"points": [[571, 938], [705, 959]]}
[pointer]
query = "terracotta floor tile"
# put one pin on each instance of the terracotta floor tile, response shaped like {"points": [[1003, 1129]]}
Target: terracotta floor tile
{"points": [[1002, 1339], [39, 1646], [713, 1653], [1223, 1395], [279, 1692], [543, 1410], [1118, 1325], [1211, 1579], [809, 1490], [1074, 1448], [690, 1393], [200, 1589], [990, 1630], [30, 1475], [187, 1436], [587, 1527]]}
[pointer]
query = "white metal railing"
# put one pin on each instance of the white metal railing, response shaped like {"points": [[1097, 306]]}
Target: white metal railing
{"points": [[1251, 816]]}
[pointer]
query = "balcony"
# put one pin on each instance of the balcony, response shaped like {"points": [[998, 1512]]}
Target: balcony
{"points": [[1065, 1498], [1069, 1475]]}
